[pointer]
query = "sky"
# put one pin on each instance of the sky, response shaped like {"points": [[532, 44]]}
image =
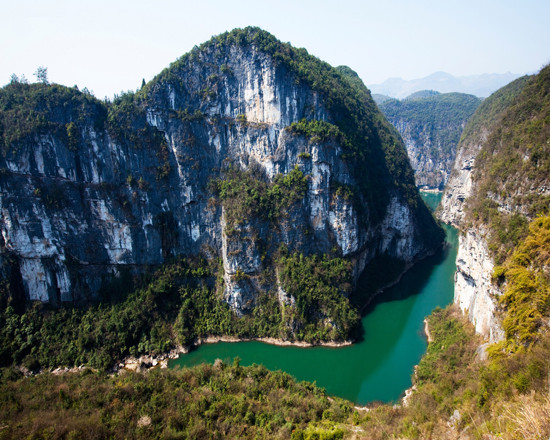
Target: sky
{"points": [[110, 46]]}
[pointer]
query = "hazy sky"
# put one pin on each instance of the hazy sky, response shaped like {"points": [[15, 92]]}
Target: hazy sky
{"points": [[109, 45]]}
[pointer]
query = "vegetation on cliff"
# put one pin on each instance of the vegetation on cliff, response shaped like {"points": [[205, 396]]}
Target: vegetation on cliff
{"points": [[525, 279], [505, 395], [455, 393], [179, 305], [370, 139], [28, 110], [183, 300], [431, 125], [513, 166]]}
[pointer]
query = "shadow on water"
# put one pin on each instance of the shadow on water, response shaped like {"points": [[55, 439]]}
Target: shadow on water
{"points": [[414, 280]]}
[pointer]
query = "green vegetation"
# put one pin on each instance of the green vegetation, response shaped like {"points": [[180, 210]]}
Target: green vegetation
{"points": [[434, 111], [321, 286], [179, 305], [526, 283], [455, 393], [127, 123], [432, 122], [100, 335], [28, 110], [513, 165], [220, 401], [489, 112], [459, 394], [421, 94], [247, 194], [318, 131], [370, 139]]}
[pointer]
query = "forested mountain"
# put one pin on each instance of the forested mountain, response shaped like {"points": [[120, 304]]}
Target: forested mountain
{"points": [[431, 124], [241, 192]]}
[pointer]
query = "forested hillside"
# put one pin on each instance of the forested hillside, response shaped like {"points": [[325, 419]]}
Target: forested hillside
{"points": [[431, 124]]}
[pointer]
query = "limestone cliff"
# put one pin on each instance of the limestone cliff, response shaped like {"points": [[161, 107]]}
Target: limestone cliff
{"points": [[475, 292], [490, 199], [430, 124], [90, 189]]}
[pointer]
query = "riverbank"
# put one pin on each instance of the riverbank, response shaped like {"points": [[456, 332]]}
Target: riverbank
{"points": [[431, 190], [427, 331], [151, 361]]}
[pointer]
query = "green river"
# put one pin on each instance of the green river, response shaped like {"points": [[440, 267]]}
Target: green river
{"points": [[379, 367]]}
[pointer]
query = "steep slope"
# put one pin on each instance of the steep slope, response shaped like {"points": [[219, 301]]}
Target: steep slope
{"points": [[499, 184], [431, 124], [246, 149]]}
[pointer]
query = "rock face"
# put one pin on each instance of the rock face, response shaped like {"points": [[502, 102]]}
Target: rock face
{"points": [[100, 190], [430, 124], [460, 185], [475, 292]]}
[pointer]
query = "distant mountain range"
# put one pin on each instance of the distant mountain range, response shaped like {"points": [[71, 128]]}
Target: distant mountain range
{"points": [[479, 85]]}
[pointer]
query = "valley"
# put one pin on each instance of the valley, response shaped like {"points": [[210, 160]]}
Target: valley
{"points": [[252, 191]]}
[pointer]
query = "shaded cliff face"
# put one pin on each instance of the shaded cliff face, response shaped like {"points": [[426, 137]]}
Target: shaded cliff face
{"points": [[203, 160], [431, 125], [498, 185]]}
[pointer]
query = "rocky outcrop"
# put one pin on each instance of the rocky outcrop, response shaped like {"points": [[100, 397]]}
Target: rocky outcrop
{"points": [[104, 190], [475, 293], [460, 185], [430, 164]]}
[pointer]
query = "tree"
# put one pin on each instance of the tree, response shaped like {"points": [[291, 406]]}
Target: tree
{"points": [[41, 74]]}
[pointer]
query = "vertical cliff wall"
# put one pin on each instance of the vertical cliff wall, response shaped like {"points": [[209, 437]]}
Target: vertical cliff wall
{"points": [[430, 124], [209, 158], [493, 191]]}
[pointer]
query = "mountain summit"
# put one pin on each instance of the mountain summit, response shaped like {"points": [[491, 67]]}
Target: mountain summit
{"points": [[245, 150]]}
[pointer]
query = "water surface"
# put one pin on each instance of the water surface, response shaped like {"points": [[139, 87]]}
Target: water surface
{"points": [[380, 366]]}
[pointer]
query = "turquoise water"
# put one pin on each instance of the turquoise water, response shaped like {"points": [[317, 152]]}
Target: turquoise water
{"points": [[379, 367]]}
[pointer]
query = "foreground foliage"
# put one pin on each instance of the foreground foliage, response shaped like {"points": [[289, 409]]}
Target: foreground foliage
{"points": [[525, 279], [221, 401], [457, 395]]}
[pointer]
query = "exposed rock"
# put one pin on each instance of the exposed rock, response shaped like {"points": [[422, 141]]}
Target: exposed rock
{"points": [[133, 190], [475, 293], [430, 124], [460, 184]]}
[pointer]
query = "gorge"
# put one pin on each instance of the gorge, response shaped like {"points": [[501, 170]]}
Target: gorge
{"points": [[379, 366], [252, 191], [245, 151]]}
